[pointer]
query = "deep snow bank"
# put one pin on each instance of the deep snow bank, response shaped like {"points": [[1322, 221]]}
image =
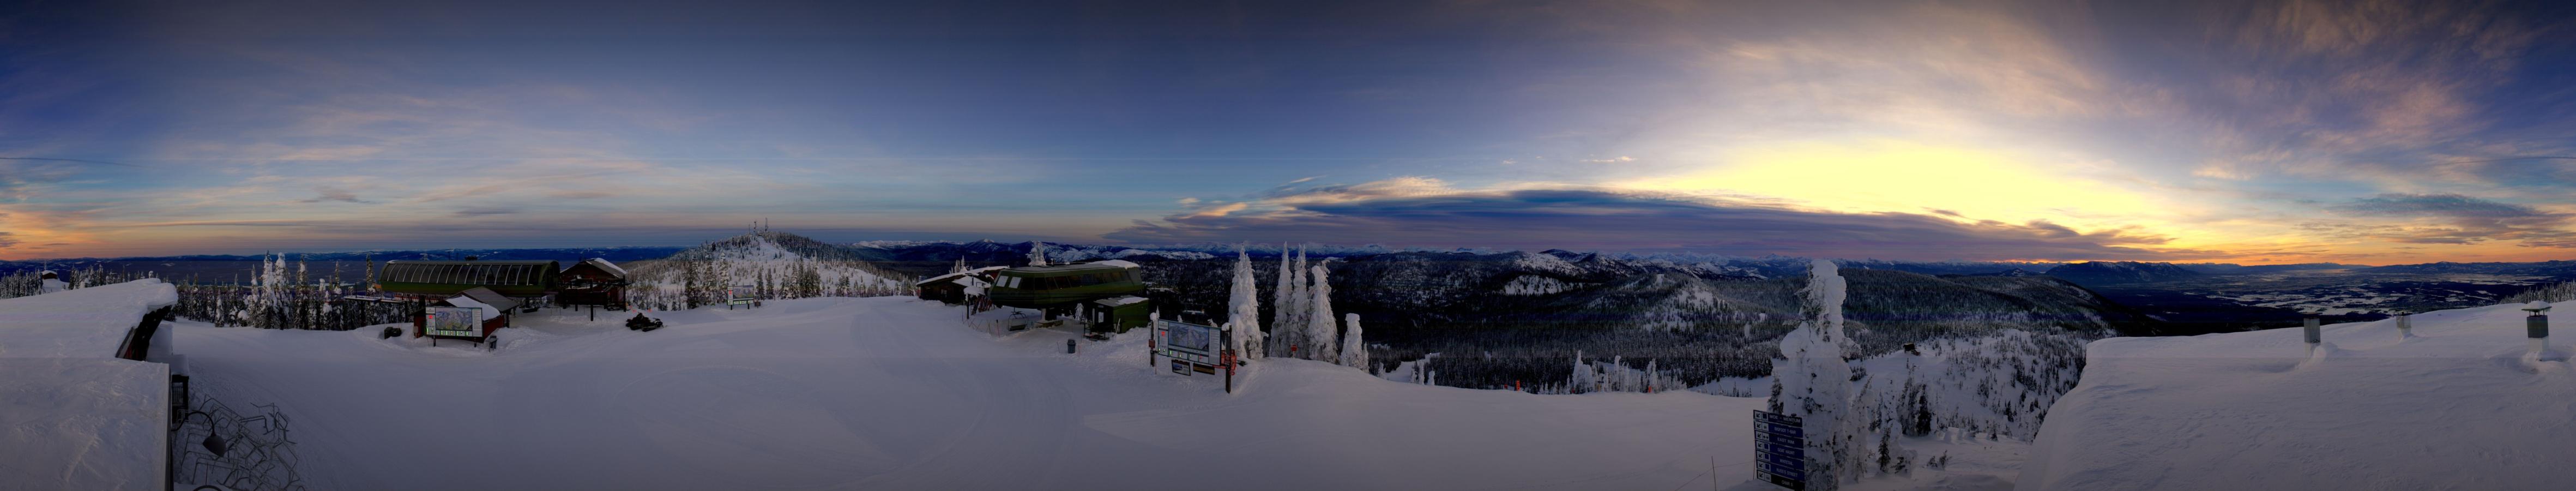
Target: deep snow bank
{"points": [[2454, 408], [72, 415], [896, 393]]}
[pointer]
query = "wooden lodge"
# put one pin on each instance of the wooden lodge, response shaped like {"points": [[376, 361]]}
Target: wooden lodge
{"points": [[593, 281]]}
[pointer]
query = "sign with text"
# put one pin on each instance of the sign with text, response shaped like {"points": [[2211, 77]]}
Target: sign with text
{"points": [[455, 321], [1186, 341], [740, 295], [1780, 449]]}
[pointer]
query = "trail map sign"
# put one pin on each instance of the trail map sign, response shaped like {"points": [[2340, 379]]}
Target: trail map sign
{"points": [[1780, 449], [740, 295], [455, 321], [1185, 342]]}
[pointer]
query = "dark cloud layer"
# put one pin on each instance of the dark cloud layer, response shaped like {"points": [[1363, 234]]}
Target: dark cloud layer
{"points": [[1603, 220], [2459, 219]]}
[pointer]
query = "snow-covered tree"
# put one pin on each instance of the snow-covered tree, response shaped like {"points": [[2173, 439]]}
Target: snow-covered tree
{"points": [[1279, 307], [1584, 378], [1320, 325], [1037, 254], [1812, 381], [1301, 298], [1245, 306], [1354, 350]]}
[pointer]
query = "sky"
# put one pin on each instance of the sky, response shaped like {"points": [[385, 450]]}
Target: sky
{"points": [[2248, 132]]}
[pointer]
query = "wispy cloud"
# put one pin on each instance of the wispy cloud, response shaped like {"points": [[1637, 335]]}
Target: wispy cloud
{"points": [[1424, 212], [336, 194]]}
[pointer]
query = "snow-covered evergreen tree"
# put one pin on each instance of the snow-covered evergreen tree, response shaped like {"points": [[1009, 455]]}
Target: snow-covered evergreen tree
{"points": [[1320, 325], [1812, 381], [1280, 308], [1037, 254], [1245, 306], [1300, 301], [1583, 379], [1354, 350]]}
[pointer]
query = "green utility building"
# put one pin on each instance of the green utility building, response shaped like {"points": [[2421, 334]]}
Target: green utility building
{"points": [[1105, 293]]}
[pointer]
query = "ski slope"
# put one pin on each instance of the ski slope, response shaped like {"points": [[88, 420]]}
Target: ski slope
{"points": [[895, 393], [2457, 407]]}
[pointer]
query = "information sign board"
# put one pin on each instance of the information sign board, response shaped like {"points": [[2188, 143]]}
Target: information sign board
{"points": [[1185, 341], [455, 321], [740, 295]]}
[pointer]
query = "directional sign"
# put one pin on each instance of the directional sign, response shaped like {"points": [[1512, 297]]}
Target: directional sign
{"points": [[1780, 470], [1776, 438], [1780, 449], [1778, 429]]}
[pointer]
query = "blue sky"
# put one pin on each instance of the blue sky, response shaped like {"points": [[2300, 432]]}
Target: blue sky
{"points": [[2365, 132]]}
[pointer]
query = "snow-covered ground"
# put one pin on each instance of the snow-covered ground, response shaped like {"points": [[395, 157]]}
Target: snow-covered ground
{"points": [[895, 393], [2456, 407], [72, 414]]}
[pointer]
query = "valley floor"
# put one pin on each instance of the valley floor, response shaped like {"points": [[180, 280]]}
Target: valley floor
{"points": [[894, 393]]}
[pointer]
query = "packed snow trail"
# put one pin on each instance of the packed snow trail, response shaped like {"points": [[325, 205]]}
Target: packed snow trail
{"points": [[894, 393]]}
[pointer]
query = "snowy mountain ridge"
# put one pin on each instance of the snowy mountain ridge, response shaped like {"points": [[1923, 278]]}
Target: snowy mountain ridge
{"points": [[775, 264]]}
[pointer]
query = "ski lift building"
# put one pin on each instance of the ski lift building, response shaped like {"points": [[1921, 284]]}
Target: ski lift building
{"points": [[439, 280]]}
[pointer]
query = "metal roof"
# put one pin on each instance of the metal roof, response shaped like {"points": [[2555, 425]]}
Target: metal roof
{"points": [[468, 272], [1064, 269]]}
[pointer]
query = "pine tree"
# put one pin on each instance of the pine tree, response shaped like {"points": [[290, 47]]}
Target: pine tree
{"points": [[1581, 381], [1245, 306], [1037, 254], [1812, 381], [1280, 306], [1320, 326], [1354, 349]]}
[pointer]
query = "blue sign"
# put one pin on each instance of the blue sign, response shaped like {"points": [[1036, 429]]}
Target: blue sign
{"points": [[1784, 449], [1790, 471], [1780, 449], [1789, 459], [1760, 438]]}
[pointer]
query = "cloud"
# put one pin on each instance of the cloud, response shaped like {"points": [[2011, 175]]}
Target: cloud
{"points": [[2453, 219], [335, 194], [8, 239], [1422, 212], [485, 211]]}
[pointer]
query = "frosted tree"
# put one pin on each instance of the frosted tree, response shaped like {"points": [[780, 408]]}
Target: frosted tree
{"points": [[1354, 350], [1320, 327], [1246, 306], [1301, 297], [1037, 254], [1279, 311], [960, 267], [1582, 381], [1811, 381]]}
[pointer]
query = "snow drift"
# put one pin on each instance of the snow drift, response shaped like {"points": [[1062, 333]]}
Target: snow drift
{"points": [[2456, 406]]}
